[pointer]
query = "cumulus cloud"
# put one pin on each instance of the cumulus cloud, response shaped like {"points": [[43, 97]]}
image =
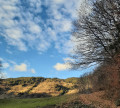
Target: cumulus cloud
{"points": [[61, 67], [22, 67], [13, 66], [64, 66]]}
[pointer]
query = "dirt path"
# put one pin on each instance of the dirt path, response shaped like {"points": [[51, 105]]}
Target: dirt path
{"points": [[96, 100]]}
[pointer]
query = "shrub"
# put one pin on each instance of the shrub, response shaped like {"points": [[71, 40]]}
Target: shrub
{"points": [[117, 103]]}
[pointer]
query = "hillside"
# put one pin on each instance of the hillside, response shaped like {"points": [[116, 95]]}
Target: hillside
{"points": [[39, 92], [29, 87]]}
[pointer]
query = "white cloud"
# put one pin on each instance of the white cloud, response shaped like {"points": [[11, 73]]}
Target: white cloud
{"points": [[15, 21], [15, 34], [1, 59], [22, 67], [67, 26], [64, 66], [52, 34], [5, 65], [34, 28], [43, 45], [3, 75], [61, 67], [13, 66], [58, 1], [61, 13], [8, 7], [33, 71], [68, 59], [25, 27]]}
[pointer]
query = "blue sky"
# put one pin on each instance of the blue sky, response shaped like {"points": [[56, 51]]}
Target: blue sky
{"points": [[35, 37]]}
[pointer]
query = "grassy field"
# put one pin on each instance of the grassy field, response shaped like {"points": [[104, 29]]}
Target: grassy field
{"points": [[34, 102]]}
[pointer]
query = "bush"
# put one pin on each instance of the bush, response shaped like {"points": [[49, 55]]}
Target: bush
{"points": [[84, 83], [62, 89], [117, 103]]}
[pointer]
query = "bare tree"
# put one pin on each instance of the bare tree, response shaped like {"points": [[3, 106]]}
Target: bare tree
{"points": [[97, 35], [1, 74]]}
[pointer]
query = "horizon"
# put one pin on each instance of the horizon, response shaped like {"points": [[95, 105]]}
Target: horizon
{"points": [[41, 77]]}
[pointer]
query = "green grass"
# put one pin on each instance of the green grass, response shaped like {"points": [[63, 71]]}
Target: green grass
{"points": [[34, 102]]}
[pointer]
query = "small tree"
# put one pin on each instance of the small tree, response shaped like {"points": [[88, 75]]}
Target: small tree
{"points": [[1, 70], [2, 75]]}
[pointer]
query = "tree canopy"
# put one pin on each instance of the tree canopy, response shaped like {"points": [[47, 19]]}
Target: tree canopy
{"points": [[96, 36]]}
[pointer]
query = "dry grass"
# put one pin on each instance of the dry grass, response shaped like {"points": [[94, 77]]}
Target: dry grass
{"points": [[49, 87], [72, 91], [19, 89]]}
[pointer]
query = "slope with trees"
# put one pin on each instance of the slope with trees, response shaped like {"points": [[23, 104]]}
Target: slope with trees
{"points": [[96, 38]]}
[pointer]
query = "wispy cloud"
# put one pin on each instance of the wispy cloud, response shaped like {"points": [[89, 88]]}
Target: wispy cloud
{"points": [[8, 51], [3, 75], [1, 59], [68, 59], [5, 65], [33, 71]]}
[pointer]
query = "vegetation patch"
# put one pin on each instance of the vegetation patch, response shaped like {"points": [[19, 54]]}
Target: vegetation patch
{"points": [[34, 102]]}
